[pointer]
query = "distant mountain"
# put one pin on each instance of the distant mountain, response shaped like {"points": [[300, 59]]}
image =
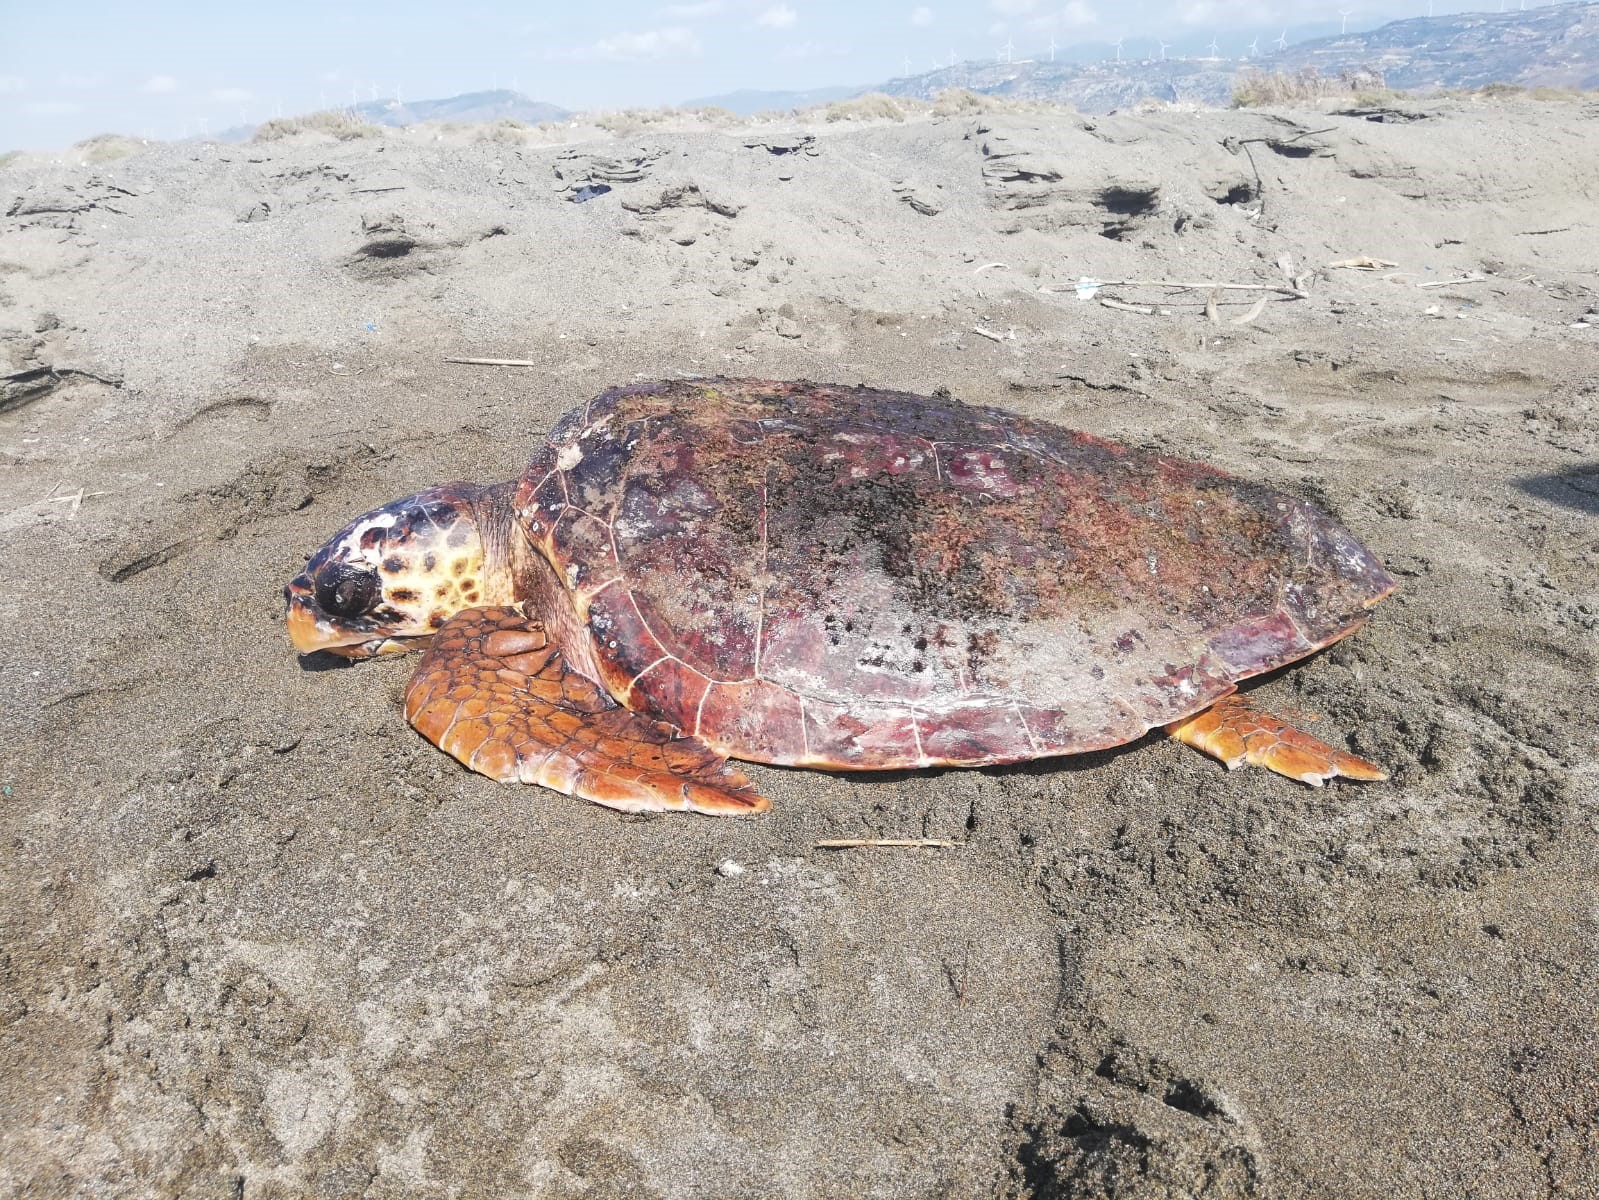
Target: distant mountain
{"points": [[1092, 87], [749, 102], [1557, 46], [467, 109]]}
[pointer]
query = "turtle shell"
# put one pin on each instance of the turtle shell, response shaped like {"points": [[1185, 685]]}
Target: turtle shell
{"points": [[843, 577]]}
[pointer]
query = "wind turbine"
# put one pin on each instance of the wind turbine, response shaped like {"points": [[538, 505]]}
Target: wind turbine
{"points": [[1343, 24], [1254, 48], [1213, 47], [1282, 42], [907, 65], [1009, 48], [1163, 47], [1118, 44], [1429, 9], [1052, 48], [952, 58]]}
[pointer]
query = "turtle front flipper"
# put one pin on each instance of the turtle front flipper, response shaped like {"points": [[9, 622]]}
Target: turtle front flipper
{"points": [[492, 692], [1236, 732]]}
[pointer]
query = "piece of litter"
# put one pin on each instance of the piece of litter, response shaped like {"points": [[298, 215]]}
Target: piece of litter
{"points": [[1363, 262], [992, 336], [1258, 308], [1087, 288], [989, 267], [728, 869]]}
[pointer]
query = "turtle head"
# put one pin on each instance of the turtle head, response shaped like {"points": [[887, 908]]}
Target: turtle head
{"points": [[385, 582]]}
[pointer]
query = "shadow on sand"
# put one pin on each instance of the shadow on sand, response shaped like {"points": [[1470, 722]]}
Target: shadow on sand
{"points": [[1575, 487]]}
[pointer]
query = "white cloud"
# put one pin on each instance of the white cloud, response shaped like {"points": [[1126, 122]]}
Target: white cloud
{"points": [[1077, 14], [694, 12], [653, 44], [159, 85], [922, 16], [13, 83], [51, 108], [803, 50], [230, 95], [779, 16]]}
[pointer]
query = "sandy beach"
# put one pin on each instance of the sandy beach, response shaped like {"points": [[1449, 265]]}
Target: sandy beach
{"points": [[262, 940]]}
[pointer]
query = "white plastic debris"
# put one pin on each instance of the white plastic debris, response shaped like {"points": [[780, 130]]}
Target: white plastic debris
{"points": [[728, 869]]}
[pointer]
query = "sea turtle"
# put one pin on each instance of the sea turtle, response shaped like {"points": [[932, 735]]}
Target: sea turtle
{"points": [[833, 577]]}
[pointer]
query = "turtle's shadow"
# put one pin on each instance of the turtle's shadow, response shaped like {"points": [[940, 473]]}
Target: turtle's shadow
{"points": [[1048, 765], [321, 660], [1575, 487]]}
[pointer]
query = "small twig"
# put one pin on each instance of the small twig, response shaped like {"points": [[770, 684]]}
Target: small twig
{"points": [[1178, 285], [1255, 311], [1121, 306], [493, 362], [991, 335], [957, 979], [1452, 282], [912, 843], [1277, 141]]}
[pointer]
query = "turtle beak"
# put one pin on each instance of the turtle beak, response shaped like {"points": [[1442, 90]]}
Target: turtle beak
{"points": [[311, 632], [306, 631]]}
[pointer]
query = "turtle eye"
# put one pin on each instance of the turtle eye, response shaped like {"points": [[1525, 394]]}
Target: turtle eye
{"points": [[346, 591]]}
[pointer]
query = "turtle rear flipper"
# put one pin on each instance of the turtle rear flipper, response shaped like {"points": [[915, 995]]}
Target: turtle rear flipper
{"points": [[491, 691], [1236, 732]]}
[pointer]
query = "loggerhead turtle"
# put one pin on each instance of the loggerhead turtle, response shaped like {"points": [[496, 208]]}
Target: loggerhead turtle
{"points": [[833, 577]]}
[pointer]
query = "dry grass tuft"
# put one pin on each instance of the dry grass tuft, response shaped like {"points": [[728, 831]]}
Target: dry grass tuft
{"points": [[107, 147], [334, 122], [1515, 91], [1280, 89], [874, 106], [507, 131]]}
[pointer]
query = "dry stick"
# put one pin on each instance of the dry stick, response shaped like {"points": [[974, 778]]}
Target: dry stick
{"points": [[1179, 285], [1452, 282], [1362, 262], [1121, 306], [988, 333], [914, 843], [1195, 287], [493, 362]]}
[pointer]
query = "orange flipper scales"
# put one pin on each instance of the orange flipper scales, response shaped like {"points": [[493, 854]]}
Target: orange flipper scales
{"points": [[490, 691], [1236, 732]]}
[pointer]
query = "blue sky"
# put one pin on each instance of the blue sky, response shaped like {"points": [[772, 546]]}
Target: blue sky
{"points": [[71, 70]]}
